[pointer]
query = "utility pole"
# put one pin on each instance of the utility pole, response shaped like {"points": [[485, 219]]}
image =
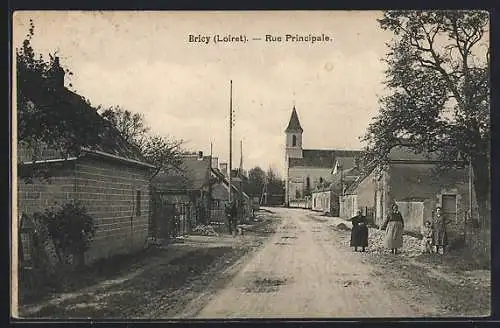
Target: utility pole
{"points": [[230, 137], [341, 181], [240, 177], [241, 155], [209, 207]]}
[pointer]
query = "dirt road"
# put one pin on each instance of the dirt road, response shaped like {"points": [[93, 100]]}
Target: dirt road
{"points": [[289, 264], [304, 271]]}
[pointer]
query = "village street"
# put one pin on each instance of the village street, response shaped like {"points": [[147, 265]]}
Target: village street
{"points": [[306, 270], [299, 266]]}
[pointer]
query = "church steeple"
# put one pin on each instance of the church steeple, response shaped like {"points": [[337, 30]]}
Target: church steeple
{"points": [[294, 123], [293, 137]]}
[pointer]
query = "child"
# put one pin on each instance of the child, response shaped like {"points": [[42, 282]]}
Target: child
{"points": [[427, 237]]}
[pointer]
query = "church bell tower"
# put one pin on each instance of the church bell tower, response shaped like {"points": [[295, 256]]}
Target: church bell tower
{"points": [[293, 137]]}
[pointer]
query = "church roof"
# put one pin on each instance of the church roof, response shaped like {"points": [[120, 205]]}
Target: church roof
{"points": [[324, 158], [294, 124]]}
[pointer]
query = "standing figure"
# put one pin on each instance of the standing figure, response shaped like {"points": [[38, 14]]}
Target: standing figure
{"points": [[359, 232], [229, 220], [394, 227], [231, 214], [440, 234], [427, 237]]}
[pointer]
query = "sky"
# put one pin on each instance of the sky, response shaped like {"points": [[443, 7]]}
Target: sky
{"points": [[144, 62]]}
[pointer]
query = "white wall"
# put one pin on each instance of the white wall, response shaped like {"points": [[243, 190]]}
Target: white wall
{"points": [[297, 178], [321, 201]]}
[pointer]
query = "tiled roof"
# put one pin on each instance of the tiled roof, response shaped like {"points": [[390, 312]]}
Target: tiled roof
{"points": [[324, 158], [294, 124], [193, 177]]}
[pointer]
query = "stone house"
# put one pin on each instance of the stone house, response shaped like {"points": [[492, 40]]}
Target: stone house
{"points": [[418, 186], [327, 199], [110, 178]]}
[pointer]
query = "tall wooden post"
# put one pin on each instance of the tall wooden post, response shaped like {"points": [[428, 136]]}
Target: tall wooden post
{"points": [[230, 137], [209, 205]]}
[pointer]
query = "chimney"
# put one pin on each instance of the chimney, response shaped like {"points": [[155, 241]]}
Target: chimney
{"points": [[223, 168], [200, 155], [215, 162], [56, 74]]}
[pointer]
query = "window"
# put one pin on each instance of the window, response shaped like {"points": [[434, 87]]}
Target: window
{"points": [[138, 203], [294, 140]]}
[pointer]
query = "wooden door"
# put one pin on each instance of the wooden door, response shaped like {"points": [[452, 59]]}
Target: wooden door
{"points": [[449, 206]]}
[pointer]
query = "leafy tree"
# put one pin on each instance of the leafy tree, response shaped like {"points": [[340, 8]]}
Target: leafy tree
{"points": [[43, 118], [131, 125], [256, 178], [438, 75], [163, 152], [275, 184]]}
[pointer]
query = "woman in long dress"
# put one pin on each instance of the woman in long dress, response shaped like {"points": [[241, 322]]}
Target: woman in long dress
{"points": [[394, 227], [439, 231], [359, 232]]}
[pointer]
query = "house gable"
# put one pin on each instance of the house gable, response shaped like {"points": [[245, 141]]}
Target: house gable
{"points": [[194, 175]]}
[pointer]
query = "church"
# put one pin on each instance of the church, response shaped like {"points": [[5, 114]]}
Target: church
{"points": [[307, 169]]}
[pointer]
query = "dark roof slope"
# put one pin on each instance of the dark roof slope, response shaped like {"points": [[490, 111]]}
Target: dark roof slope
{"points": [[294, 124], [406, 153], [421, 181], [105, 138], [194, 175], [351, 189], [324, 158], [225, 181], [110, 140]]}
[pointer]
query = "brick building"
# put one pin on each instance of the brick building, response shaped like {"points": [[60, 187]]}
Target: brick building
{"points": [[110, 178]]}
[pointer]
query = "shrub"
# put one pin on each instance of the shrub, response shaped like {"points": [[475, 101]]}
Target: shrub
{"points": [[71, 229]]}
